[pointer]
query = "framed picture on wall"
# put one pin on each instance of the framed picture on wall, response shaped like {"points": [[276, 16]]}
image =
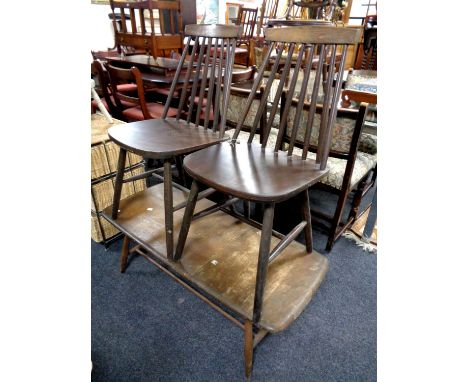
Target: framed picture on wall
{"points": [[207, 11]]}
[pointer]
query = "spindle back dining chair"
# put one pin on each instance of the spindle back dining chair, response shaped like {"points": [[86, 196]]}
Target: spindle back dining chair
{"points": [[141, 109], [170, 138], [163, 34], [253, 172]]}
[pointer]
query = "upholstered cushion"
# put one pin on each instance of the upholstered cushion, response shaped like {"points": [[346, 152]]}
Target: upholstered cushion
{"points": [[342, 131], [124, 103], [236, 106], [127, 88], [364, 162], [368, 143], [244, 136], [163, 91], [94, 104], [155, 109]]}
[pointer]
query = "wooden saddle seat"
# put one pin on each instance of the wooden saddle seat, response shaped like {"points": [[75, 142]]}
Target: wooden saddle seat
{"points": [[168, 138], [248, 171], [158, 138]]}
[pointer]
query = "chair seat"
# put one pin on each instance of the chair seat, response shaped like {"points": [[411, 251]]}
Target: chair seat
{"points": [[104, 102], [159, 138], [155, 110], [127, 88], [337, 166], [252, 173]]}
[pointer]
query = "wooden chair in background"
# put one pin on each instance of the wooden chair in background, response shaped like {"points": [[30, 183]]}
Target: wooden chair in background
{"points": [[350, 168], [170, 138], [246, 18], [253, 172], [140, 109], [105, 90], [163, 34], [268, 10], [366, 57]]}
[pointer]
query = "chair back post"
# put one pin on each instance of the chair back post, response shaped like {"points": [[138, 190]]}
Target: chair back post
{"points": [[106, 89], [120, 75], [318, 45], [210, 63], [141, 92]]}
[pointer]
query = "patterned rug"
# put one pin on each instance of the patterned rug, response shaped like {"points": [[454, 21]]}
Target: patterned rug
{"points": [[355, 233]]}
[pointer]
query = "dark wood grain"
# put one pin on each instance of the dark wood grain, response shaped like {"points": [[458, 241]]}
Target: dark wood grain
{"points": [[208, 263], [159, 138], [250, 172], [311, 34]]}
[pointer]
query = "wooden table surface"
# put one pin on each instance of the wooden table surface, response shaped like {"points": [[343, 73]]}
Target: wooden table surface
{"points": [[143, 60]]}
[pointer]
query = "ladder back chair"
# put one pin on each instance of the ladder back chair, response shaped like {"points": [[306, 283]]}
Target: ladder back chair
{"points": [[139, 109], [254, 172], [247, 18], [106, 90], [168, 139], [349, 167], [159, 38]]}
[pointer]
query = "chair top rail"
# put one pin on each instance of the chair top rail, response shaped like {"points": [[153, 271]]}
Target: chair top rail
{"points": [[213, 30], [311, 34]]}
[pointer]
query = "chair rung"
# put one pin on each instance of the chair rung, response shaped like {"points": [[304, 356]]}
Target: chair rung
{"points": [[201, 195], [287, 240], [143, 175], [176, 185], [214, 208]]}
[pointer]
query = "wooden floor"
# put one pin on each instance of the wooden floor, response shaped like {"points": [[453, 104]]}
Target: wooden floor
{"points": [[220, 258]]}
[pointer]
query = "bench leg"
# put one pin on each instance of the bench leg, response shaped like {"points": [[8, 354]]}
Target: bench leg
{"points": [[124, 254], [305, 212], [248, 348], [188, 214]]}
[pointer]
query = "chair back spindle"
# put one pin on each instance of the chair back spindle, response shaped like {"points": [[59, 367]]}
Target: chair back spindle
{"points": [[319, 46], [205, 75]]}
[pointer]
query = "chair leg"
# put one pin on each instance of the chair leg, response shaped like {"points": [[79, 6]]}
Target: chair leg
{"points": [[168, 212], [357, 200], [336, 219], [305, 212], [124, 254], [188, 214], [248, 348], [180, 170], [263, 257], [246, 209], [118, 182]]}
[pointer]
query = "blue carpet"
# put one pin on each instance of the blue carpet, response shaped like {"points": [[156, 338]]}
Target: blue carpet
{"points": [[146, 327]]}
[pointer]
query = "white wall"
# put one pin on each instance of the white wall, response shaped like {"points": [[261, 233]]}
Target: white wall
{"points": [[101, 35]]}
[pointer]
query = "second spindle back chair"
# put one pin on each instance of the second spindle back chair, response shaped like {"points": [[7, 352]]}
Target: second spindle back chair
{"points": [[253, 172], [168, 139]]}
